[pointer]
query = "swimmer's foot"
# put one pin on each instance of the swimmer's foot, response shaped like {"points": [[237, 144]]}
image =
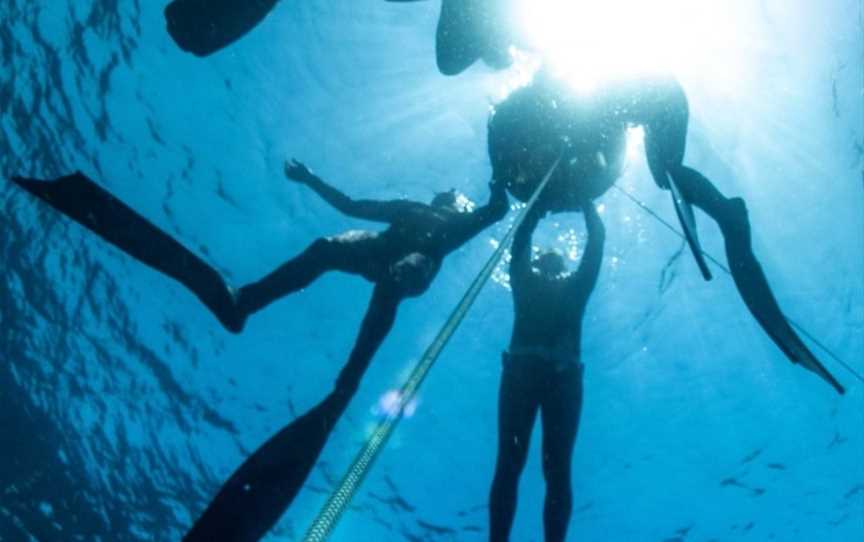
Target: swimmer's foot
{"points": [[230, 313], [84, 201]]}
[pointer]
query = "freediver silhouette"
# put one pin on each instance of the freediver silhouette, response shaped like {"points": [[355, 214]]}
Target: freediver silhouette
{"points": [[542, 371], [401, 261], [528, 129], [468, 30]]}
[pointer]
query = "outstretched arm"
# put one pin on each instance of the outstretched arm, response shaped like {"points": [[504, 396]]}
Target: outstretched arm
{"points": [[467, 225], [585, 278], [379, 211]]}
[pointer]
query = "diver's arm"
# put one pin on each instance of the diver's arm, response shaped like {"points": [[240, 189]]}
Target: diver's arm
{"points": [[520, 251], [468, 225], [378, 211], [585, 278]]}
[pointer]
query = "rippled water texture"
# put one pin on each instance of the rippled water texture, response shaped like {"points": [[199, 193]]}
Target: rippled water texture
{"points": [[123, 404]]}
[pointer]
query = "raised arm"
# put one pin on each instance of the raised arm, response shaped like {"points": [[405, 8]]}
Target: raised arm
{"points": [[520, 252], [379, 211], [468, 225], [585, 278]]}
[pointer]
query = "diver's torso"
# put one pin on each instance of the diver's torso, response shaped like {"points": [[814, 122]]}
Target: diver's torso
{"points": [[410, 251], [548, 320], [424, 229]]}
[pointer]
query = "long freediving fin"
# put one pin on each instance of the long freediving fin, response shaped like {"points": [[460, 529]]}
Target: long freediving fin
{"points": [[90, 205], [259, 491], [203, 27], [791, 344], [812, 364], [688, 224]]}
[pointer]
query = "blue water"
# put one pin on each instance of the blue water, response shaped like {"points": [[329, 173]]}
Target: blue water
{"points": [[124, 405]]}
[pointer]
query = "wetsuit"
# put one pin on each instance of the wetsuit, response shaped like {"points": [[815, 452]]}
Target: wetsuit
{"points": [[542, 371], [527, 132], [401, 261]]}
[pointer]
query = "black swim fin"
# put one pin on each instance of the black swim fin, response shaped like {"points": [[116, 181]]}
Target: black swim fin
{"points": [[203, 27], [257, 494], [788, 341], [688, 224], [93, 207]]}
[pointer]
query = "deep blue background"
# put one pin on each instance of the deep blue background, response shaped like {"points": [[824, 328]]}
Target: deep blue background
{"points": [[123, 404]]}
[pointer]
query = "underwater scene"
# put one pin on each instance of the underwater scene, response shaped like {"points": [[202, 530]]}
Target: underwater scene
{"points": [[432, 270]]}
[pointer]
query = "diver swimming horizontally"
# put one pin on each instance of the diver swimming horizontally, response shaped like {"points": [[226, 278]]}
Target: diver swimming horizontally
{"points": [[542, 371], [404, 258], [529, 129], [468, 30], [401, 261]]}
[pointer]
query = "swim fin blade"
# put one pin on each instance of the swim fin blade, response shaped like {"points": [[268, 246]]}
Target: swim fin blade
{"points": [[812, 364], [798, 353], [251, 502], [688, 224], [203, 27], [90, 205]]}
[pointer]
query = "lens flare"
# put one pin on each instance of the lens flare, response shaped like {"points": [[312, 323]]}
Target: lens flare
{"points": [[388, 405]]}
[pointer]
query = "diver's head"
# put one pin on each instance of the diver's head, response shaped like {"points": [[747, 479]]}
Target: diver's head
{"points": [[550, 264], [446, 200]]}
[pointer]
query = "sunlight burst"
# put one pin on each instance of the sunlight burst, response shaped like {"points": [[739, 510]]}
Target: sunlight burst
{"points": [[588, 42]]}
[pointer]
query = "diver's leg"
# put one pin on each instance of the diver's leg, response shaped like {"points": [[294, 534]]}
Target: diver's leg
{"points": [[87, 203], [731, 215], [517, 409], [376, 325], [457, 43], [560, 411], [203, 27], [260, 490], [469, 30], [665, 138], [353, 252], [495, 34]]}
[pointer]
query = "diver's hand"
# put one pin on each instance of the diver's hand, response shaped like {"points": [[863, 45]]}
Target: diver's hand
{"points": [[298, 172]]}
